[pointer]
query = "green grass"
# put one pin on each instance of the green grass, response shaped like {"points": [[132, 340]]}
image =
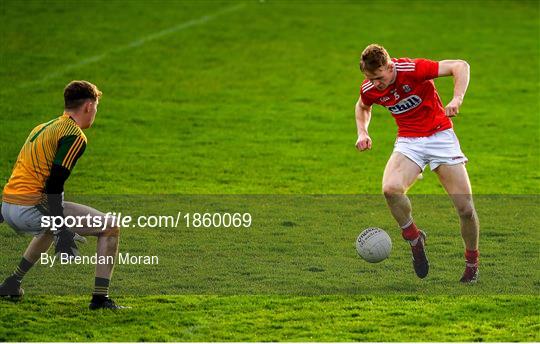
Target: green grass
{"points": [[259, 101], [273, 318], [265, 105], [294, 275], [302, 245]]}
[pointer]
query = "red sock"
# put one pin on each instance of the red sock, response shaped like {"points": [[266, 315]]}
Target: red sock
{"points": [[410, 232], [471, 256]]}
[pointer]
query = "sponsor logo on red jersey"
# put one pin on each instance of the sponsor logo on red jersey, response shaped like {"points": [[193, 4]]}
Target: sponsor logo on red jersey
{"points": [[405, 105]]}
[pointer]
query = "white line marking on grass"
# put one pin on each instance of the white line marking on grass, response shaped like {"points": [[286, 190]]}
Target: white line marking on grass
{"points": [[136, 43]]}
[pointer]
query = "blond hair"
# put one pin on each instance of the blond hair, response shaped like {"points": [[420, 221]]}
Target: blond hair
{"points": [[374, 57]]}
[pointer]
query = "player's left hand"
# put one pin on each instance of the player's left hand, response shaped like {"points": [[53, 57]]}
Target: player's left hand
{"points": [[64, 242], [452, 109], [80, 239]]}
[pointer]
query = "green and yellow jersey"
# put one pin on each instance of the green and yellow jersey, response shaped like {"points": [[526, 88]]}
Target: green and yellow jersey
{"points": [[60, 142]]}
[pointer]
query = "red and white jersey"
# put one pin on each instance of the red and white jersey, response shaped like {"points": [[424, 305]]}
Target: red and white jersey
{"points": [[412, 98]]}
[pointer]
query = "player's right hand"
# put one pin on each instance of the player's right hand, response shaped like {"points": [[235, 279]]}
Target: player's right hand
{"points": [[64, 242], [80, 239], [363, 142]]}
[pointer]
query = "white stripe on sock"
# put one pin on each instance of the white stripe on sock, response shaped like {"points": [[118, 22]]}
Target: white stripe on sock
{"points": [[407, 224]]}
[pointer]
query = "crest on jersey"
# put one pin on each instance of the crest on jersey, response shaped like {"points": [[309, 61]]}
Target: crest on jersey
{"points": [[406, 88]]}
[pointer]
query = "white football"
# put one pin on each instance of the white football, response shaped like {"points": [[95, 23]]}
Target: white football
{"points": [[374, 245]]}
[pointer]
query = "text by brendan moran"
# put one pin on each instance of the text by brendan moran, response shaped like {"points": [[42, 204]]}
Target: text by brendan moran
{"points": [[122, 259]]}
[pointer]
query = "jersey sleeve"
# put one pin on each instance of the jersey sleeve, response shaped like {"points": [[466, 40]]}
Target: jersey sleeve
{"points": [[366, 100], [70, 149], [426, 69]]}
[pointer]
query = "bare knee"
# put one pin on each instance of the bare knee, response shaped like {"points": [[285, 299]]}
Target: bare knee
{"points": [[111, 231], [108, 240], [391, 189], [46, 234], [466, 210]]}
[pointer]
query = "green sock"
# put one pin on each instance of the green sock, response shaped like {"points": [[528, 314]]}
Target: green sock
{"points": [[22, 269], [101, 286]]}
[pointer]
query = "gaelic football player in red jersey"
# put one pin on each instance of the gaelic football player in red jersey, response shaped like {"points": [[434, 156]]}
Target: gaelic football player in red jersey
{"points": [[425, 137]]}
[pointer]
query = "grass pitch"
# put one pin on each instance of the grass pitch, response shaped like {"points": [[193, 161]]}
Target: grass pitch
{"points": [[265, 104], [257, 98], [276, 318]]}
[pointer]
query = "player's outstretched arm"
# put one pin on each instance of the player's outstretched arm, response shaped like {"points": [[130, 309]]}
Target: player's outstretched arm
{"points": [[363, 116], [459, 69]]}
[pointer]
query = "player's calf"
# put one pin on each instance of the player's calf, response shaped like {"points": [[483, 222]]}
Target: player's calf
{"points": [[107, 246]]}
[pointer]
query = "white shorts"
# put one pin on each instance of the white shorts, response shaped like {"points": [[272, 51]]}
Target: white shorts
{"points": [[24, 219], [441, 148]]}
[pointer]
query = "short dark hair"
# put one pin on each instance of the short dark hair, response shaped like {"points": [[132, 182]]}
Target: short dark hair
{"points": [[79, 91], [374, 57]]}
